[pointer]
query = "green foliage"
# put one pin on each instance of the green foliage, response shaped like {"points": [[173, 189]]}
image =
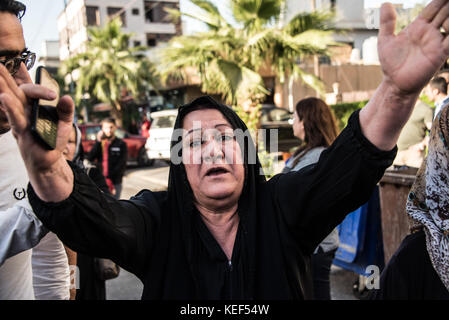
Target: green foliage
{"points": [[342, 111], [228, 56], [426, 100], [251, 118], [267, 160], [109, 67]]}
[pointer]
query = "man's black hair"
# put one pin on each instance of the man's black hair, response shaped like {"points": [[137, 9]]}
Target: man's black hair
{"points": [[440, 84], [109, 120], [14, 7]]}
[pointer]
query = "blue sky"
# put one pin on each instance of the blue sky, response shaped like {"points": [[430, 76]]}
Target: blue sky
{"points": [[40, 20]]}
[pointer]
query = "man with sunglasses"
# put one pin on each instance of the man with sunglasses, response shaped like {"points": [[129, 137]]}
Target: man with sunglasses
{"points": [[43, 272]]}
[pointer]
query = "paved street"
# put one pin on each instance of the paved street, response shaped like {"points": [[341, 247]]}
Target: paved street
{"points": [[128, 287]]}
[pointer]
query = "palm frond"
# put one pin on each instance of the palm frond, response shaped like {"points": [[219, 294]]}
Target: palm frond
{"points": [[304, 21]]}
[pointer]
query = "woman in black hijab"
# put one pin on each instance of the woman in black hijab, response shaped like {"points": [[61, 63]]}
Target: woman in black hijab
{"points": [[221, 231], [175, 241]]}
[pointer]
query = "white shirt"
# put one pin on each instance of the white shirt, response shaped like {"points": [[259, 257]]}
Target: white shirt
{"points": [[16, 278], [20, 230], [439, 106], [50, 283], [46, 265]]}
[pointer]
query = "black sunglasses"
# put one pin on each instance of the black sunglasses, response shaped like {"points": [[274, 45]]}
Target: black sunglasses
{"points": [[13, 64], [19, 8], [22, 8]]}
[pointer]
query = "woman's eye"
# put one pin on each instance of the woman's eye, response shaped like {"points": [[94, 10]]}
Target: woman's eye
{"points": [[195, 143], [227, 138]]}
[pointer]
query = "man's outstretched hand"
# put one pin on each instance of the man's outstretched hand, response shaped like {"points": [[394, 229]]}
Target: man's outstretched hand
{"points": [[40, 162], [410, 58]]}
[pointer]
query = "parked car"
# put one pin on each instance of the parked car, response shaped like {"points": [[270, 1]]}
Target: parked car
{"points": [[281, 119], [158, 144], [135, 143]]}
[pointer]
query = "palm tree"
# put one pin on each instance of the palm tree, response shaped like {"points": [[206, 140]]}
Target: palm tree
{"points": [[109, 69], [230, 54]]}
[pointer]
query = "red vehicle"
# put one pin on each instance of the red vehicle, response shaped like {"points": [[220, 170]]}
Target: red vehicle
{"points": [[135, 143]]}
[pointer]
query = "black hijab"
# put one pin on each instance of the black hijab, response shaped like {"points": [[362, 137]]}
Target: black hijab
{"points": [[180, 195]]}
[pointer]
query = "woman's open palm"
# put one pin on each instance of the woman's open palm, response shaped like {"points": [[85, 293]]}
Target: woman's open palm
{"points": [[410, 58]]}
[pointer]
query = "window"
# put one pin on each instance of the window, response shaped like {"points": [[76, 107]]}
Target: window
{"points": [[279, 114], [91, 132], [333, 4], [112, 12], [135, 11], [324, 60], [163, 122], [149, 11], [155, 11], [137, 43], [93, 16], [153, 39]]}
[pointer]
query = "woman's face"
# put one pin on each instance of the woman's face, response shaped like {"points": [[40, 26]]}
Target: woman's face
{"points": [[212, 159], [70, 148], [298, 127]]}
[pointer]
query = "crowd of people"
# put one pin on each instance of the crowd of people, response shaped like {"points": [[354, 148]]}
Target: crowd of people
{"points": [[221, 231]]}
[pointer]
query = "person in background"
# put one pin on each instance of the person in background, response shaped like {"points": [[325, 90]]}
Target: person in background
{"points": [[145, 127], [132, 128], [419, 269], [436, 91], [315, 125], [41, 272], [413, 140], [91, 287], [111, 154], [444, 73]]}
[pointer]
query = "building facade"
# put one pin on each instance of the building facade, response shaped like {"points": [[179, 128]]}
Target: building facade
{"points": [[359, 24], [49, 56], [146, 19]]}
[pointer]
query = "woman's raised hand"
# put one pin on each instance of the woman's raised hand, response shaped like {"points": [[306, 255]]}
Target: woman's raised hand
{"points": [[410, 58]]}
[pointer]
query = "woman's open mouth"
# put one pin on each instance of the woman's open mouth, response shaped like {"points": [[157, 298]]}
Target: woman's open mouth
{"points": [[216, 171]]}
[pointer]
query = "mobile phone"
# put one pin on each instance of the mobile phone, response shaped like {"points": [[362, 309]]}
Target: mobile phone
{"points": [[44, 118]]}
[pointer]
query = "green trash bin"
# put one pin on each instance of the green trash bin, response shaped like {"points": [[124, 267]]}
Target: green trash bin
{"points": [[394, 189]]}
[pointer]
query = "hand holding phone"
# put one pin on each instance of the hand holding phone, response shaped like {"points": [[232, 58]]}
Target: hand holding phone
{"points": [[44, 117]]}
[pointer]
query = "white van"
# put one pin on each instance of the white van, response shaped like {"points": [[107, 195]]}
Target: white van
{"points": [[158, 144]]}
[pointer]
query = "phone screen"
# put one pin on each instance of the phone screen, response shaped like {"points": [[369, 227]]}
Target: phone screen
{"points": [[44, 122]]}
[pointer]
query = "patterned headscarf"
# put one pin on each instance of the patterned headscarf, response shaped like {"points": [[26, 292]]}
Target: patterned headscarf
{"points": [[428, 201]]}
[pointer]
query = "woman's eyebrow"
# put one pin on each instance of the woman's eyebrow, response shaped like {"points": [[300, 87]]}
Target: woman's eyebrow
{"points": [[199, 129], [223, 125], [191, 130]]}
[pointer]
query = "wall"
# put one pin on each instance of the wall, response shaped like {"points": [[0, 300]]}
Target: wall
{"points": [[356, 83]]}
